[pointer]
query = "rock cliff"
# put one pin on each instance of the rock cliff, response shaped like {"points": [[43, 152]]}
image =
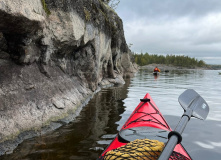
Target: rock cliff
{"points": [[54, 54]]}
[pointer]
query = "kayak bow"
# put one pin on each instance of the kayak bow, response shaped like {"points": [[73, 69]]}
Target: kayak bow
{"points": [[146, 122]]}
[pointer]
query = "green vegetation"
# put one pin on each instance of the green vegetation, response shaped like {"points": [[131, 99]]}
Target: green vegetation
{"points": [[47, 11], [87, 14], [176, 60]]}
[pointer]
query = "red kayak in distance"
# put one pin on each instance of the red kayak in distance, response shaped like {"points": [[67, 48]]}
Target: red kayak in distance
{"points": [[146, 122]]}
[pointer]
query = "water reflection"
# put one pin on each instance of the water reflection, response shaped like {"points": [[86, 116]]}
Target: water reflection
{"points": [[156, 76], [100, 120], [86, 137]]}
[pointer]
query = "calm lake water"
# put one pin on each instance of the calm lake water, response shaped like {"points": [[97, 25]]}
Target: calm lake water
{"points": [[104, 115]]}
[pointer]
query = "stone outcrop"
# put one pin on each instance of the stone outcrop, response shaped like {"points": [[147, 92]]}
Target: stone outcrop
{"points": [[53, 57]]}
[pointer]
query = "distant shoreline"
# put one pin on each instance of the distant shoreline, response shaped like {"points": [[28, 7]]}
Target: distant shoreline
{"points": [[164, 67]]}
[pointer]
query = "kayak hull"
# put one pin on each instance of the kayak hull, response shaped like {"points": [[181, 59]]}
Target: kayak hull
{"points": [[156, 73], [146, 119]]}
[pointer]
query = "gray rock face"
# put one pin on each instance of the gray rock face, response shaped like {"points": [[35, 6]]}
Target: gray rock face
{"points": [[50, 64]]}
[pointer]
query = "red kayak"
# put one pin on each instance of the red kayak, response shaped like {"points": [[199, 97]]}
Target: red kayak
{"points": [[146, 122]]}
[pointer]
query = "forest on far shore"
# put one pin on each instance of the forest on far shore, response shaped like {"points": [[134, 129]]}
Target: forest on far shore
{"points": [[176, 60]]}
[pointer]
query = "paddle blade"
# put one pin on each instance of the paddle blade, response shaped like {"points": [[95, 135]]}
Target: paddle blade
{"points": [[200, 108], [190, 99], [187, 97]]}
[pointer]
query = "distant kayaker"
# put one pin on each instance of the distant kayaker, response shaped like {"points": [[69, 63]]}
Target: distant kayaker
{"points": [[156, 69]]}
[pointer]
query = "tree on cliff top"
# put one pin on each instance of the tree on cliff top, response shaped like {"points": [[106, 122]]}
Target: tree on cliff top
{"points": [[112, 3]]}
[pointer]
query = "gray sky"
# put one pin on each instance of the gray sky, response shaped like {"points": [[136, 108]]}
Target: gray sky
{"points": [[187, 27]]}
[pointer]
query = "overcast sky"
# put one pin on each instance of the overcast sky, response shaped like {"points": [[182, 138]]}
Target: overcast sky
{"points": [[187, 27]]}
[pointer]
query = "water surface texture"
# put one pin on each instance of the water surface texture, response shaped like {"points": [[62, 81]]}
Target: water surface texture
{"points": [[100, 120]]}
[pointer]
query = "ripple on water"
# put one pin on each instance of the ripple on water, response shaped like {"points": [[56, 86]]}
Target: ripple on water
{"points": [[100, 120]]}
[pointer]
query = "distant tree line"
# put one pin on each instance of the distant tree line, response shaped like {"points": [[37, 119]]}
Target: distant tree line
{"points": [[176, 60], [216, 67]]}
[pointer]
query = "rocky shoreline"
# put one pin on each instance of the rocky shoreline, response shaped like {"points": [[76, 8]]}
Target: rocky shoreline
{"points": [[52, 63]]}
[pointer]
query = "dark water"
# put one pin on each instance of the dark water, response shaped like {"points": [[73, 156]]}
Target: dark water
{"points": [[99, 121]]}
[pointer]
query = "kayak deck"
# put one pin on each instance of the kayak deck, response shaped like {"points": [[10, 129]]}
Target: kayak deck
{"points": [[146, 121]]}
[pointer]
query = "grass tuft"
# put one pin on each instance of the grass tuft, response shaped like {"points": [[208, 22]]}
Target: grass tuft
{"points": [[47, 11]]}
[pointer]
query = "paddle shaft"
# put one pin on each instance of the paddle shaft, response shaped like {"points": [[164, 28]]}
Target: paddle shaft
{"points": [[172, 142]]}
